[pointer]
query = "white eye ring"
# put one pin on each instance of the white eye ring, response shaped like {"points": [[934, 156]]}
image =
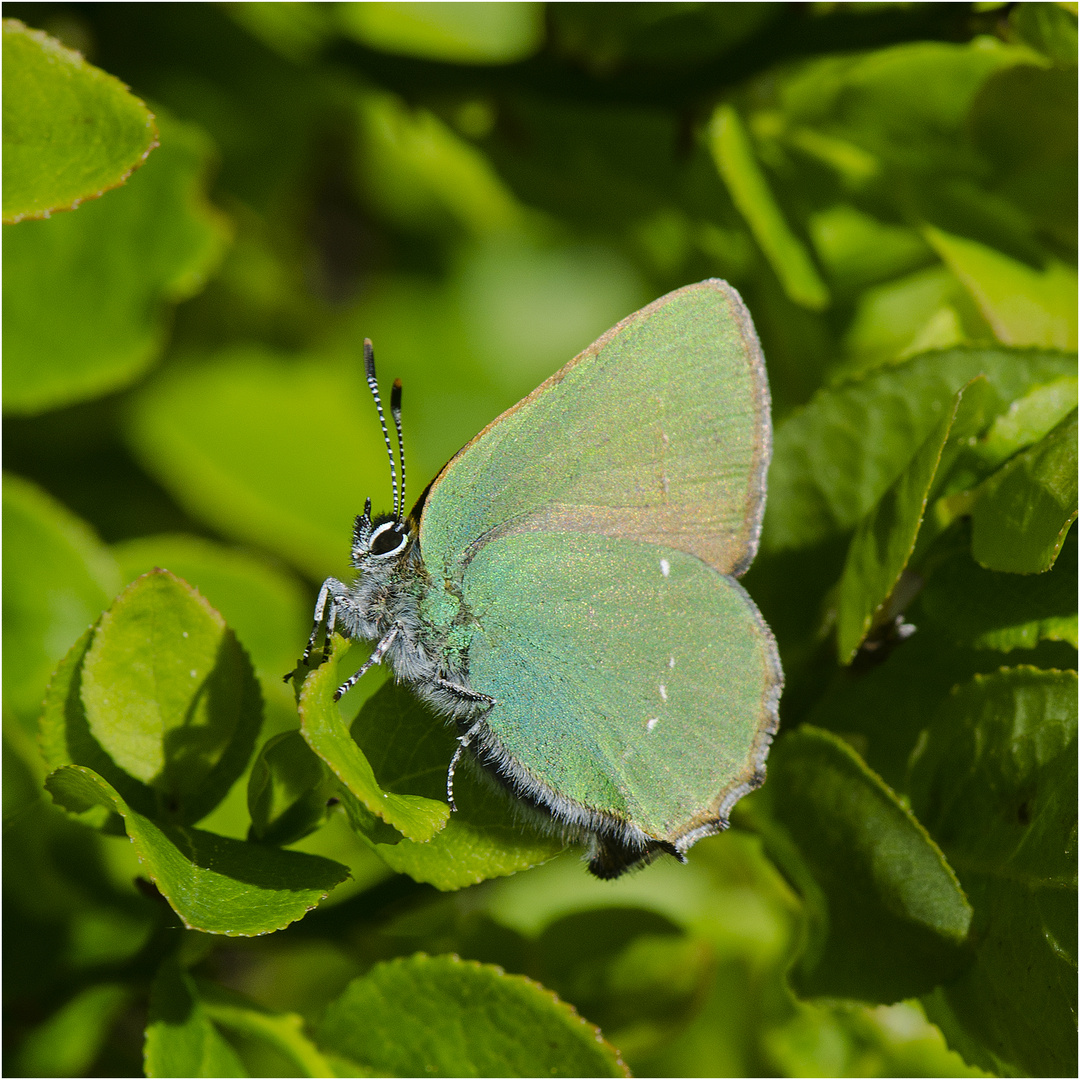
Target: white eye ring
{"points": [[385, 526]]}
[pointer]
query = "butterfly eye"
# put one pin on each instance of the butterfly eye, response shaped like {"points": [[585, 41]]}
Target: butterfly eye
{"points": [[388, 539]]}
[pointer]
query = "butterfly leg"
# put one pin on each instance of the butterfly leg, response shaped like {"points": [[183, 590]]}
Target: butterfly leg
{"points": [[375, 658], [331, 594], [464, 693], [463, 743]]}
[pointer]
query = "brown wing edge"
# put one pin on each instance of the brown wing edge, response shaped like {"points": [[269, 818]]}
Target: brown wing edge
{"points": [[754, 511], [615, 844]]}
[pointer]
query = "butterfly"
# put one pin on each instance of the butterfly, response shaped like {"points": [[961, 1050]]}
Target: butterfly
{"points": [[564, 591]]}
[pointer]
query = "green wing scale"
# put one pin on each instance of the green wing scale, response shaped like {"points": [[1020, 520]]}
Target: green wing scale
{"points": [[593, 532]]}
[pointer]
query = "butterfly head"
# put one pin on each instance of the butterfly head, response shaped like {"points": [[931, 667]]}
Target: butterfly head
{"points": [[380, 541]]}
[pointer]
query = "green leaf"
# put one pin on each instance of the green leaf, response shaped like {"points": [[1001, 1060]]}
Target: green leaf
{"points": [[264, 604], [410, 748], [787, 255], [71, 131], [283, 1031], [68, 1043], [989, 610], [885, 916], [58, 577], [259, 481], [117, 263], [1023, 306], [497, 33], [324, 730], [64, 736], [835, 457], [1028, 419], [170, 695], [995, 783], [871, 593], [181, 1040], [441, 1016], [287, 791], [215, 884], [1024, 511], [883, 542]]}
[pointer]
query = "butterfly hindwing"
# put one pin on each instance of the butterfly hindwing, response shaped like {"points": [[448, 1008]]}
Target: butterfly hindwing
{"points": [[632, 680]]}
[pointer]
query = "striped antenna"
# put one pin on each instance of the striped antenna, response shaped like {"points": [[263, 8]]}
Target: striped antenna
{"points": [[395, 412], [369, 369]]}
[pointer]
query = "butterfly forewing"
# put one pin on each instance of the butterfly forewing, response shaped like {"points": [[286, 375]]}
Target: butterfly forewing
{"points": [[659, 432]]}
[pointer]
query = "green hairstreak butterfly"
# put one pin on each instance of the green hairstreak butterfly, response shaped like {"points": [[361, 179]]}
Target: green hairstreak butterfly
{"points": [[564, 591]]}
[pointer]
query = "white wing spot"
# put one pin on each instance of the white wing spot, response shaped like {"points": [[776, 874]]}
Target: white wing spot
{"points": [[194, 673], [663, 692], [665, 567], [185, 633], [671, 662], [652, 723]]}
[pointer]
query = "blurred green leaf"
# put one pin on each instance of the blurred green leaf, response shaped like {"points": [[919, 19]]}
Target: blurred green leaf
{"points": [[181, 1040], [441, 1016], [58, 577], [419, 172], [995, 783], [68, 1043], [835, 457], [417, 817], [1002, 611], [631, 970], [71, 131], [116, 264], [857, 250], [170, 695], [410, 748], [905, 103], [1050, 28], [216, 885], [491, 33], [1024, 121], [1024, 511], [885, 916], [654, 35], [898, 319], [1024, 306], [293, 476], [287, 791], [283, 1031], [844, 1039], [787, 255]]}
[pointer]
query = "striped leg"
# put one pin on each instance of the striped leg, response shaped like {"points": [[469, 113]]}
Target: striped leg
{"points": [[375, 658]]}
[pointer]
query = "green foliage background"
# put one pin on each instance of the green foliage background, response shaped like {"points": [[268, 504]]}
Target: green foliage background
{"points": [[197, 882]]}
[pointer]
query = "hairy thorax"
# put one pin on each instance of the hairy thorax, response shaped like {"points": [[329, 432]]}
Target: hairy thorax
{"points": [[433, 626]]}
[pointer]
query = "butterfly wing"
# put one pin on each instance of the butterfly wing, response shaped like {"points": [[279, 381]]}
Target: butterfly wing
{"points": [[631, 681], [659, 432]]}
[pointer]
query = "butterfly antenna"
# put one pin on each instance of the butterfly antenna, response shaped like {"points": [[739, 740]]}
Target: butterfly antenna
{"points": [[395, 412], [369, 369]]}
